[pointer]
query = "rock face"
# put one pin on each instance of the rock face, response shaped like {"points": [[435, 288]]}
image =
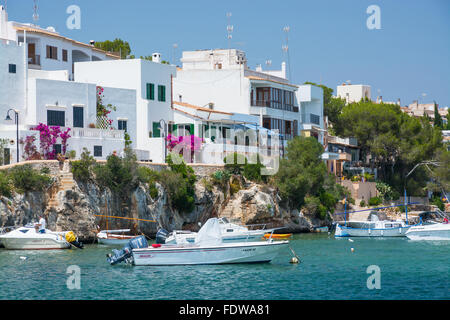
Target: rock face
{"points": [[83, 207]]}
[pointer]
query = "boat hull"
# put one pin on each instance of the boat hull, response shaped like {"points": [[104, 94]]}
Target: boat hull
{"points": [[34, 244], [436, 232], [342, 231], [255, 252], [114, 241]]}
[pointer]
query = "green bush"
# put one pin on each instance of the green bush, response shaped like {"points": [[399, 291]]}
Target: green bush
{"points": [[437, 201], [375, 201], [149, 176], [6, 187], [180, 191], [235, 186], [25, 178], [314, 206], [362, 203], [221, 178], [81, 169]]}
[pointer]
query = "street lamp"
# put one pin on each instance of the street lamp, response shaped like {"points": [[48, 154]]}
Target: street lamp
{"points": [[16, 118]]}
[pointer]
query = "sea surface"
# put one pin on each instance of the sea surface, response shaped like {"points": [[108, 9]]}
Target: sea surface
{"points": [[329, 269]]}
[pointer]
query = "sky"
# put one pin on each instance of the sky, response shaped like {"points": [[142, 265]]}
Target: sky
{"points": [[329, 42]]}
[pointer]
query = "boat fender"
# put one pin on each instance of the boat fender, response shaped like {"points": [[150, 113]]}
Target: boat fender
{"points": [[70, 237], [352, 249], [156, 245]]}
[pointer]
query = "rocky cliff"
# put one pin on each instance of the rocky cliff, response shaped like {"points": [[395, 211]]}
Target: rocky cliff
{"points": [[82, 207]]}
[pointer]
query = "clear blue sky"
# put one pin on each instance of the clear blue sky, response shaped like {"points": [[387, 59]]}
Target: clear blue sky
{"points": [[328, 39]]}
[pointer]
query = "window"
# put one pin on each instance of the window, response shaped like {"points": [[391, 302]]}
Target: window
{"points": [[78, 117], [122, 125], [64, 55], [57, 149], [156, 131], [97, 151], [52, 52], [56, 118], [162, 93], [150, 91], [12, 68]]}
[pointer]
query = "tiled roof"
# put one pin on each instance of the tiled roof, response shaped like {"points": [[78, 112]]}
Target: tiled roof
{"points": [[187, 105]]}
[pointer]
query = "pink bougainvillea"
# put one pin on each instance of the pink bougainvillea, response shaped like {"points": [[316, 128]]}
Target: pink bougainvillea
{"points": [[48, 137], [192, 142]]}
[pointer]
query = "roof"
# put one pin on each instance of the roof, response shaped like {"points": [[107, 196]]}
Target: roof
{"points": [[264, 79], [56, 35], [187, 105]]}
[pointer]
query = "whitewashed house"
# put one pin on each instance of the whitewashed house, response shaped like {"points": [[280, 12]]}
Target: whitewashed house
{"points": [[42, 93]]}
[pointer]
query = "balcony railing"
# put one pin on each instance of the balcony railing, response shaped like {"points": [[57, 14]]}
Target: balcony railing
{"points": [[347, 141], [311, 118], [273, 104], [34, 59], [97, 133]]}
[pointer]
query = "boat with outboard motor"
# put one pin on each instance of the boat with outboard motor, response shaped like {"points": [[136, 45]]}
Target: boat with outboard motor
{"points": [[208, 248], [29, 238], [230, 232], [383, 228]]}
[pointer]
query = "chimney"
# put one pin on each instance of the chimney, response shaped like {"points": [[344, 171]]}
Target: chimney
{"points": [[398, 101], [283, 69], [3, 23], [156, 57], [259, 68], [92, 42]]}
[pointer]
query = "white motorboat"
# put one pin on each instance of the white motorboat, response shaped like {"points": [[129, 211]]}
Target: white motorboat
{"points": [[27, 238], [114, 237], [432, 231], [384, 228], [208, 248], [230, 232]]}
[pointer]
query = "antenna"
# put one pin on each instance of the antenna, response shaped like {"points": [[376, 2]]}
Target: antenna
{"points": [[229, 29], [35, 13], [285, 48], [174, 46], [268, 63]]}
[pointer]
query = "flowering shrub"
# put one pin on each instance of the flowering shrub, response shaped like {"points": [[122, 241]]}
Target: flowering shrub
{"points": [[30, 150], [193, 142], [48, 138], [102, 110]]}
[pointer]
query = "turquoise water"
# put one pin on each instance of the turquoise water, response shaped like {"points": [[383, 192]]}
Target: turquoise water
{"points": [[328, 270]]}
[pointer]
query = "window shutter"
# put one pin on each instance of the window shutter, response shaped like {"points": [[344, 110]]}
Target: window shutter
{"points": [[48, 52], [156, 131]]}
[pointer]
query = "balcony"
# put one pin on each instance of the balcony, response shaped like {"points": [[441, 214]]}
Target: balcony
{"points": [[311, 118], [344, 141], [274, 105]]}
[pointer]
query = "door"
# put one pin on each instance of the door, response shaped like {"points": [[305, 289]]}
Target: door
{"points": [[78, 117], [31, 53]]}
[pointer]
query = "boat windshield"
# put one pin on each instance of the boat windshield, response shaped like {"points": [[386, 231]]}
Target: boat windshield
{"points": [[210, 233]]}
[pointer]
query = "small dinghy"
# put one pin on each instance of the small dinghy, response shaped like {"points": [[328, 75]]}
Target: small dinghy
{"points": [[27, 238], [114, 237], [207, 249]]}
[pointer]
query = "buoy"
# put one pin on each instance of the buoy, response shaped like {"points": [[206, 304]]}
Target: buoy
{"points": [[352, 249], [294, 260], [350, 240], [23, 258]]}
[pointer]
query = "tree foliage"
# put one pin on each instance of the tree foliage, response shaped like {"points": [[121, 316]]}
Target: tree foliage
{"points": [[393, 141], [117, 45]]}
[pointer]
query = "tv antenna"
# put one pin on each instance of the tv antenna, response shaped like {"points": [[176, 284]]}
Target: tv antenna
{"points": [[35, 12], [285, 48], [230, 28]]}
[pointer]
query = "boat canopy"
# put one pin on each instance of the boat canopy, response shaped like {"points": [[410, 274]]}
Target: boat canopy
{"points": [[210, 233]]}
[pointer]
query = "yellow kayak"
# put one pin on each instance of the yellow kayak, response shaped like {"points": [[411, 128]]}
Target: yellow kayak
{"points": [[278, 235]]}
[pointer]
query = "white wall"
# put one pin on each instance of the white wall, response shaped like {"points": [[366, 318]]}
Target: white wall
{"points": [[354, 93]]}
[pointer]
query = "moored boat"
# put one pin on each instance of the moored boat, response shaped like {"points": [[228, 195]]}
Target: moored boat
{"points": [[27, 238], [433, 231], [208, 248], [384, 228], [114, 237], [230, 232]]}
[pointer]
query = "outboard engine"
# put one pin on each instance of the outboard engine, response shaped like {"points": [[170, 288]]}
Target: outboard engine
{"points": [[126, 252], [73, 240], [161, 236]]}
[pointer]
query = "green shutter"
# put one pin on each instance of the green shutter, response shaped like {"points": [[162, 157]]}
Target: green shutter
{"points": [[156, 131], [162, 93], [192, 129], [150, 91]]}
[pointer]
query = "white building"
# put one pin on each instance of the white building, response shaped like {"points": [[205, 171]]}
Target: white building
{"points": [[42, 93], [152, 83], [354, 92], [221, 80]]}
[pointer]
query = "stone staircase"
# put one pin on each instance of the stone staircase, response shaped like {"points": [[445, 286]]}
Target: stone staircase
{"points": [[65, 183]]}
